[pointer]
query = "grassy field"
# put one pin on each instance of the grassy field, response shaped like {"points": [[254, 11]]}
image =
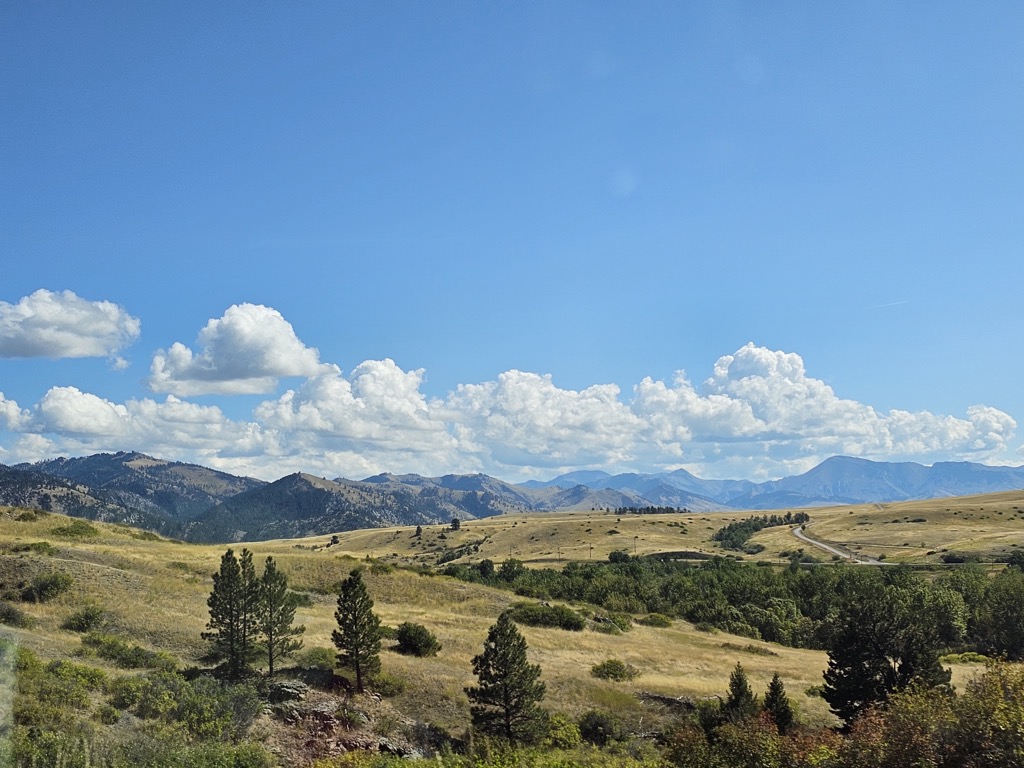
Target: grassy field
{"points": [[987, 527], [154, 592]]}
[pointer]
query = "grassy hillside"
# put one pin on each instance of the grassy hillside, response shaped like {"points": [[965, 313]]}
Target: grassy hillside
{"points": [[987, 527], [153, 593]]}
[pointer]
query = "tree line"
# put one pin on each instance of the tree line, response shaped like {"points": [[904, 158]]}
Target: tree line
{"points": [[735, 535]]}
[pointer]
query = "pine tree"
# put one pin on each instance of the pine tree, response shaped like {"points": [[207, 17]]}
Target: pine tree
{"points": [[776, 704], [251, 606], [882, 639], [505, 701], [234, 604], [357, 637], [741, 702], [277, 617]]}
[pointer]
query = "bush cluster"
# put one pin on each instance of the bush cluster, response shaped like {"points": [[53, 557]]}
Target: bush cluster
{"points": [[37, 547], [86, 619], [613, 669], [76, 529], [126, 655], [46, 587], [13, 616], [540, 615], [416, 640]]}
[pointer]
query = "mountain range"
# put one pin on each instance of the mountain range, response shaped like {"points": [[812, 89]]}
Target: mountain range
{"points": [[197, 503]]}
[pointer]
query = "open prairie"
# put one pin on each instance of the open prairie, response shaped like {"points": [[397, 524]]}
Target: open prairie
{"points": [[154, 592], [987, 527]]}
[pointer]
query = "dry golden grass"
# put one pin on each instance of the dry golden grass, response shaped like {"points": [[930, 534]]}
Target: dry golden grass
{"points": [[989, 527], [156, 591]]}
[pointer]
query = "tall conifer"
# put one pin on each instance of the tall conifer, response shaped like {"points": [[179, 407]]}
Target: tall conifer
{"points": [[234, 606], [505, 703], [357, 637], [277, 617]]}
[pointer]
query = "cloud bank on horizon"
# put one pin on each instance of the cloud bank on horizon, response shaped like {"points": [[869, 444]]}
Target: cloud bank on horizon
{"points": [[758, 415]]}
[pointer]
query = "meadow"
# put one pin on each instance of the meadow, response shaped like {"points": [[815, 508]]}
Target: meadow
{"points": [[153, 592]]}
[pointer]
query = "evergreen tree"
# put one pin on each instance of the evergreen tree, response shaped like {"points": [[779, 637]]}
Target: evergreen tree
{"points": [[251, 606], [883, 637], [233, 604], [505, 703], [280, 637], [776, 704], [357, 637], [741, 702]]}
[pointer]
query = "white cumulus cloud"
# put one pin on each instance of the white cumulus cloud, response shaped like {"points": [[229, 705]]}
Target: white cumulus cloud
{"points": [[523, 419], [245, 351], [761, 409], [62, 324], [11, 416], [759, 415]]}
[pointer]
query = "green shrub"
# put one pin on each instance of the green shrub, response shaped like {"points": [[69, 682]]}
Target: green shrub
{"points": [[108, 714], [48, 695], [599, 728], [85, 619], [76, 529], [539, 615], [655, 620], [605, 626], [83, 747], [126, 692], [387, 685], [90, 678], [622, 620], [13, 616], [204, 707], [563, 733], [127, 655], [416, 640], [46, 587], [757, 650], [613, 669], [37, 547], [317, 657]]}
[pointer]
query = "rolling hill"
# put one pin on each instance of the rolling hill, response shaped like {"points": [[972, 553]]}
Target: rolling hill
{"points": [[197, 503]]}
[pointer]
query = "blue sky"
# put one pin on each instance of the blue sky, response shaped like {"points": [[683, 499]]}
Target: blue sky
{"points": [[512, 238]]}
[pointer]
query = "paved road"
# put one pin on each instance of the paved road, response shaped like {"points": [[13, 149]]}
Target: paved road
{"points": [[859, 559]]}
